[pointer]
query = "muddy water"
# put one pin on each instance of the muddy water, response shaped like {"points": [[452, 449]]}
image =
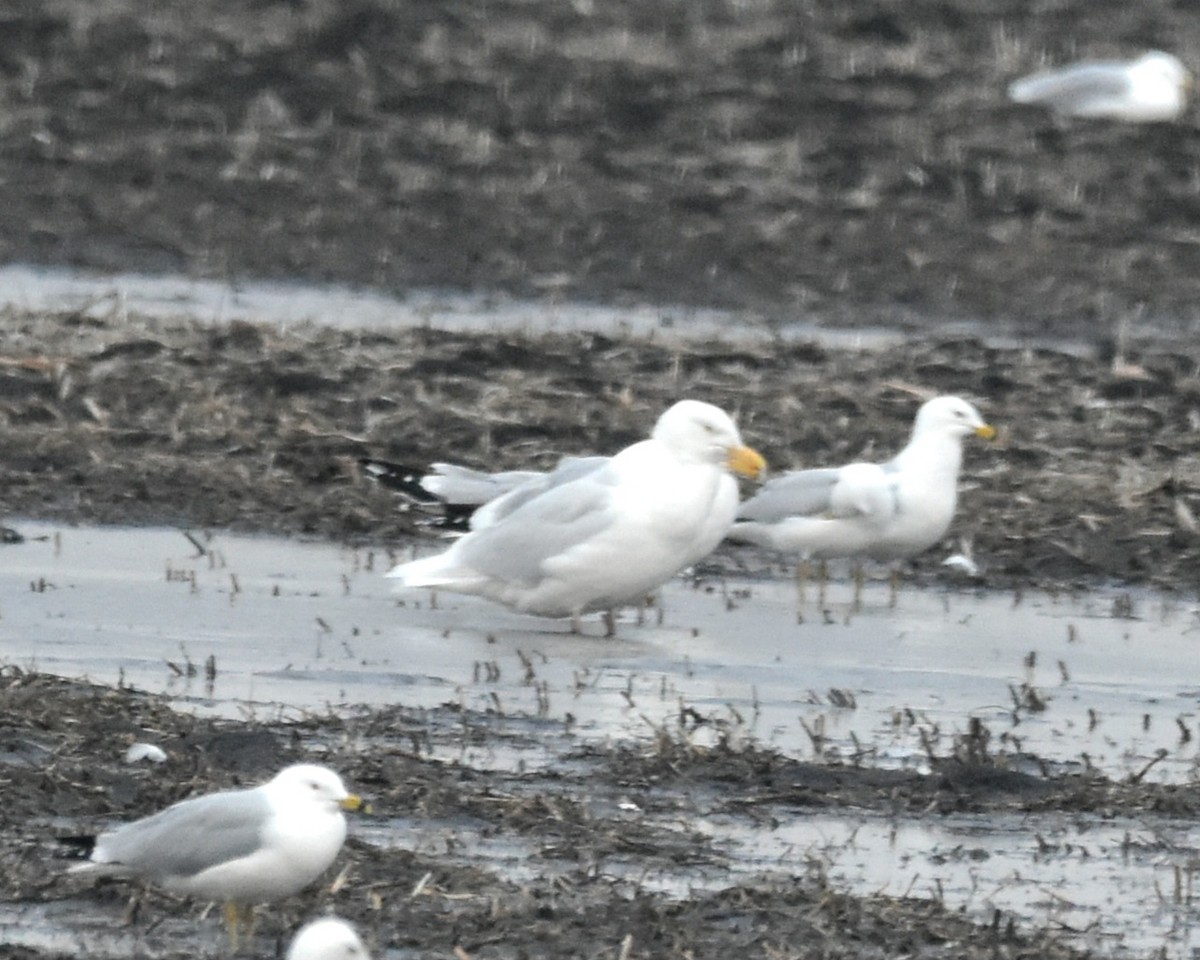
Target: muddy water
{"points": [[289, 626], [1128, 888]]}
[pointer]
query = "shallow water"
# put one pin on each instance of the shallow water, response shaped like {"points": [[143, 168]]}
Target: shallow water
{"points": [[292, 626], [120, 295], [1128, 888], [288, 304]]}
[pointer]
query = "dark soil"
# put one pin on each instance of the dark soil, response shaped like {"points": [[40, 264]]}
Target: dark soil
{"points": [[850, 161], [846, 163]]}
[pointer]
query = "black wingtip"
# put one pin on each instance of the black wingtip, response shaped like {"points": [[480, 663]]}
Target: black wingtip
{"points": [[406, 481], [77, 847], [403, 479]]}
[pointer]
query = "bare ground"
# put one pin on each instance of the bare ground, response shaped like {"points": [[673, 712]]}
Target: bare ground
{"points": [[1095, 476], [143, 421]]}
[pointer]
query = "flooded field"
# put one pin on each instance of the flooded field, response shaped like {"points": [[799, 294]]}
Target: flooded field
{"points": [[965, 766], [503, 233], [273, 630], [258, 624], [104, 295]]}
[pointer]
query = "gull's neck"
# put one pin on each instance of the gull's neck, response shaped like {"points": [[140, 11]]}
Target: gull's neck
{"points": [[931, 454]]}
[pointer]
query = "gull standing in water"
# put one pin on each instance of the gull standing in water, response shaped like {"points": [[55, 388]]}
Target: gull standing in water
{"points": [[884, 511], [608, 533]]}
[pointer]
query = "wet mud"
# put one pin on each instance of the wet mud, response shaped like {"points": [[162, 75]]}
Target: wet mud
{"points": [[593, 826], [130, 420]]}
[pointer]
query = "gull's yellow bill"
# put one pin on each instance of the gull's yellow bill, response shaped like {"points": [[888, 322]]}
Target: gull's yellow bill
{"points": [[746, 462]]}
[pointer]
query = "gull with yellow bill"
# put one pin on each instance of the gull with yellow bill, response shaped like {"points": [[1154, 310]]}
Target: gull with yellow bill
{"points": [[237, 847], [606, 534], [882, 511]]}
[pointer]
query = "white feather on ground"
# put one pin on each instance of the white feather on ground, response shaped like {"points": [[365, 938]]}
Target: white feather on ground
{"points": [[1150, 89], [608, 533], [882, 511]]}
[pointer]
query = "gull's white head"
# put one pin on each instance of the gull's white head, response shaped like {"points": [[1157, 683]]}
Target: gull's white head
{"points": [[696, 430], [327, 939], [315, 784], [952, 417], [1162, 68]]}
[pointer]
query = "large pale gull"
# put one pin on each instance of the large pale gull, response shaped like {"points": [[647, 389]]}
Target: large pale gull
{"points": [[1150, 89], [600, 535], [329, 938], [239, 847], [883, 511]]}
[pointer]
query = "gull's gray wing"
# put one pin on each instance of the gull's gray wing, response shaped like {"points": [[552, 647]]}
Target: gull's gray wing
{"points": [[545, 526], [455, 484], [568, 470], [1073, 88], [802, 493], [187, 838]]}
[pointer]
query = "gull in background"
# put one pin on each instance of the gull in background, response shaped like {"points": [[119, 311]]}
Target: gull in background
{"points": [[1150, 89], [458, 492]]}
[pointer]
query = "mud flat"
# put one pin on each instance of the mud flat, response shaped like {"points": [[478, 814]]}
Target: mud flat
{"points": [[123, 419], [694, 793]]}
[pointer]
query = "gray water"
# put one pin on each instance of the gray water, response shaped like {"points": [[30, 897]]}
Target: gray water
{"points": [[294, 626]]}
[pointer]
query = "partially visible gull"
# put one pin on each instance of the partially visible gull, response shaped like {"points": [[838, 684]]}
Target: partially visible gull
{"points": [[884, 511], [605, 534], [1150, 89], [239, 847], [329, 938]]}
